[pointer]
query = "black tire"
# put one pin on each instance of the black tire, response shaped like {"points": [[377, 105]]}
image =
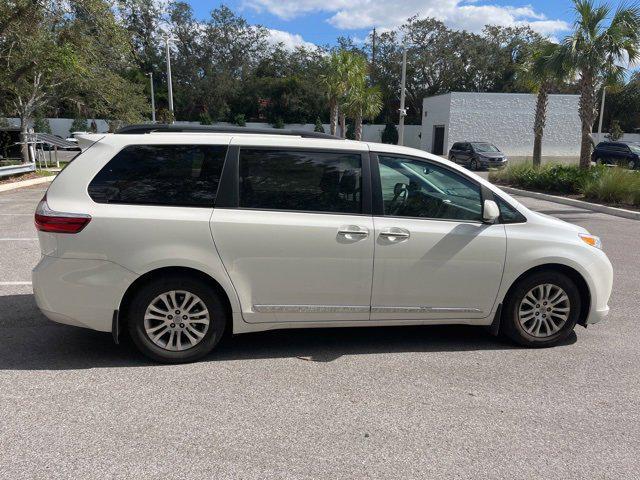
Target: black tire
{"points": [[510, 324], [155, 287], [453, 158], [474, 165], [632, 165]]}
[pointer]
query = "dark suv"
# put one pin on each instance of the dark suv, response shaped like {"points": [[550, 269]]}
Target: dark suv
{"points": [[477, 155], [617, 153]]}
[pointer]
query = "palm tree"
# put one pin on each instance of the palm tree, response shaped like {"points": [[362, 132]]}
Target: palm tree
{"points": [[334, 84], [596, 52], [538, 75], [343, 69], [363, 102]]}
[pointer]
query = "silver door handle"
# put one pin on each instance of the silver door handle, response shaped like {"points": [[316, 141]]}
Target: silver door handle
{"points": [[395, 232], [346, 231]]}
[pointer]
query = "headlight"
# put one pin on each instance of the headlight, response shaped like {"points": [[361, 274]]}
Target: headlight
{"points": [[591, 240]]}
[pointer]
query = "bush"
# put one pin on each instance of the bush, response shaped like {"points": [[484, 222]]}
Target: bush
{"points": [[279, 123], [390, 134], [600, 183], [240, 120], [205, 118], [319, 127], [79, 124]]}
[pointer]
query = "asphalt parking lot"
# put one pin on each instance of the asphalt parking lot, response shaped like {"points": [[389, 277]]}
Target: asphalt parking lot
{"points": [[405, 402]]}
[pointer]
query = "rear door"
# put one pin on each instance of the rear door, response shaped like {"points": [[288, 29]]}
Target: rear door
{"points": [[294, 229]]}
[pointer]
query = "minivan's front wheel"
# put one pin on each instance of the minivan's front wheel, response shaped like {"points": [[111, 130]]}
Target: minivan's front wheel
{"points": [[176, 319], [542, 310]]}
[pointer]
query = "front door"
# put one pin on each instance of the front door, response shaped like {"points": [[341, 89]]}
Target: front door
{"points": [[434, 257], [438, 140], [299, 246]]}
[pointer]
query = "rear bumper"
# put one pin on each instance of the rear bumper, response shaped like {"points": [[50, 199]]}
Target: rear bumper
{"points": [[79, 292]]}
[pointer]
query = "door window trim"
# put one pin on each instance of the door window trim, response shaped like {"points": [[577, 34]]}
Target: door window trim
{"points": [[229, 189]]}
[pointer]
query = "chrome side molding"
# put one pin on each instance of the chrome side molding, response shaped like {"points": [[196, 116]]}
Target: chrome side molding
{"points": [[358, 309], [311, 308], [379, 309]]}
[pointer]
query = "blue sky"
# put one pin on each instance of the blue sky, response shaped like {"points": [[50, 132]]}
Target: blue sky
{"points": [[321, 21]]}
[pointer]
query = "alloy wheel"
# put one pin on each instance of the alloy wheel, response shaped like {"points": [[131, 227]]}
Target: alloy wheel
{"points": [[544, 310], [176, 320]]}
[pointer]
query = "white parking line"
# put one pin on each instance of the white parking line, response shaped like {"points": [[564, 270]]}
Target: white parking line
{"points": [[8, 284]]}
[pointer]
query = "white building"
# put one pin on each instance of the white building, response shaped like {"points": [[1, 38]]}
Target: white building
{"points": [[504, 119]]}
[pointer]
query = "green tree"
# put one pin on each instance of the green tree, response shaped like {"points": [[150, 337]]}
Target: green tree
{"points": [[67, 53], [538, 75], [319, 127], [601, 41], [615, 131], [362, 102], [341, 68], [40, 123]]}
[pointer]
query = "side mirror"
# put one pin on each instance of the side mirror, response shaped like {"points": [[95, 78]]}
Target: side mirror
{"points": [[490, 212]]}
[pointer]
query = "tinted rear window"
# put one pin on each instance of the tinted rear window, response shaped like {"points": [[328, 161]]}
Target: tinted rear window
{"points": [[310, 181], [176, 175]]}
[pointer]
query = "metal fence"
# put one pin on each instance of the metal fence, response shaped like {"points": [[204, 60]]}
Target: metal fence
{"points": [[15, 169]]}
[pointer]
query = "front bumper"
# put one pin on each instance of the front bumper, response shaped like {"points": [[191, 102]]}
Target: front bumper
{"points": [[596, 315], [79, 292], [487, 163]]}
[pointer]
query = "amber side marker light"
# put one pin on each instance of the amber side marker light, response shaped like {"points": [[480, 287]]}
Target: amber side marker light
{"points": [[591, 240]]}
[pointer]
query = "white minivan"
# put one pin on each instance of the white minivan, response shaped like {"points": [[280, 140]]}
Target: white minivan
{"points": [[177, 234]]}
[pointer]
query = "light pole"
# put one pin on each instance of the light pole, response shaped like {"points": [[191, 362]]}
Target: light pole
{"points": [[403, 111], [604, 94], [169, 84], [153, 100]]}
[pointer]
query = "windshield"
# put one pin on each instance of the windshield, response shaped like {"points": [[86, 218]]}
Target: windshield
{"points": [[484, 147], [635, 148]]}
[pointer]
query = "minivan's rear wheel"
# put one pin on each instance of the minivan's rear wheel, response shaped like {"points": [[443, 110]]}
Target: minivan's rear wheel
{"points": [[542, 309], [176, 319]]}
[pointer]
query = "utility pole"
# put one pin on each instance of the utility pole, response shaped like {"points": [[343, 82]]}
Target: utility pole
{"points": [[169, 85], [403, 111], [153, 99], [373, 50], [604, 94]]}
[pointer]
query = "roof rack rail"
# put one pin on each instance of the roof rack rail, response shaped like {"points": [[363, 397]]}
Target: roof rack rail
{"points": [[178, 128]]}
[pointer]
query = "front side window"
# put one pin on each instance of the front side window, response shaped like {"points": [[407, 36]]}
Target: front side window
{"points": [[414, 188], [311, 181], [171, 175]]}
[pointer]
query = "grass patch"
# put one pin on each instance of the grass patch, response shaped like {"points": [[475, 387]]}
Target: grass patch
{"points": [[600, 183]]}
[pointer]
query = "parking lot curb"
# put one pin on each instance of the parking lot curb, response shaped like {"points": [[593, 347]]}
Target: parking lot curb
{"points": [[618, 212], [26, 183]]}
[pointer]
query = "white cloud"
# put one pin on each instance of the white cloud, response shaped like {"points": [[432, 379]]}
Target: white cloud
{"points": [[289, 40], [365, 14]]}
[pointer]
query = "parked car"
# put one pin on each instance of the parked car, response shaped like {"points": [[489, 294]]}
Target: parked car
{"points": [[176, 237], [477, 155], [617, 153]]}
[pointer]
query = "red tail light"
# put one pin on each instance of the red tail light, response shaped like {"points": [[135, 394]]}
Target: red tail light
{"points": [[48, 220]]}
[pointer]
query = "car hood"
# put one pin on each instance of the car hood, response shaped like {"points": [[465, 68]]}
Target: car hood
{"points": [[556, 222]]}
